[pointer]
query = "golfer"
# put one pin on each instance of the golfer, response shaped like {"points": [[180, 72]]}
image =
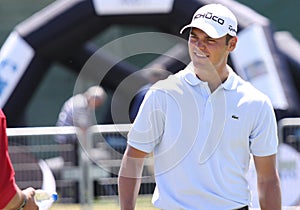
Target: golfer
{"points": [[202, 125]]}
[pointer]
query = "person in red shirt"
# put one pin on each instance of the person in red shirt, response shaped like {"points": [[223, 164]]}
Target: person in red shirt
{"points": [[11, 196]]}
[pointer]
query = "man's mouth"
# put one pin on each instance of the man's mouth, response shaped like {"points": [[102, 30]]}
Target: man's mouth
{"points": [[200, 54]]}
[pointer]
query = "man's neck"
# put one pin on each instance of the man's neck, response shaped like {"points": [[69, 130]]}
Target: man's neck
{"points": [[214, 78]]}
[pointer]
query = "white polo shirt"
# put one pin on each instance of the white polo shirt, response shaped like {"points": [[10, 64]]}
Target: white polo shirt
{"points": [[202, 141]]}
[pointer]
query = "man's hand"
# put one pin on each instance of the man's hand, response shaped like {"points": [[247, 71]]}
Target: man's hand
{"points": [[31, 204]]}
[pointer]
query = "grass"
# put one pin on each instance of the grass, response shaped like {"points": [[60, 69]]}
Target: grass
{"points": [[143, 203]]}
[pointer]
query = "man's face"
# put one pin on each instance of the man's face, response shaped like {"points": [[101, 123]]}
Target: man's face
{"points": [[95, 102], [208, 53]]}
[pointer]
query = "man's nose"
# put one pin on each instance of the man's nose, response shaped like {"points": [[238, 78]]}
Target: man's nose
{"points": [[200, 44]]}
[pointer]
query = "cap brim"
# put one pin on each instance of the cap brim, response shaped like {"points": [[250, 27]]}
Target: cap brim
{"points": [[185, 27], [207, 28]]}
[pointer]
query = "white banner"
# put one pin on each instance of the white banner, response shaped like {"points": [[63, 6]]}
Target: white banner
{"points": [[15, 56], [254, 62], [122, 7]]}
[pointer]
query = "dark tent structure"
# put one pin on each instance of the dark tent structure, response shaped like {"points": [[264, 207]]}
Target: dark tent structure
{"points": [[62, 32]]}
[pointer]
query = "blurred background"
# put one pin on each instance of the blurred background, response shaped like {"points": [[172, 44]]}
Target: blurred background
{"points": [[282, 14], [54, 81]]}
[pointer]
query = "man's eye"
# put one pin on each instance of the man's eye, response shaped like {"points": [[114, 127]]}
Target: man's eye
{"points": [[211, 40], [193, 38]]}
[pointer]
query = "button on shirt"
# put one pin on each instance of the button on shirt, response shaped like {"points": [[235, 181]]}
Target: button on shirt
{"points": [[202, 141]]}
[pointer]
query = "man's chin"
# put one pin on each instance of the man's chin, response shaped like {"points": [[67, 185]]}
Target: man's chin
{"points": [[202, 64]]}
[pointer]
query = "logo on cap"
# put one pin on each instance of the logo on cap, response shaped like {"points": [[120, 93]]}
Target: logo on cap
{"points": [[232, 29], [210, 15], [218, 21]]}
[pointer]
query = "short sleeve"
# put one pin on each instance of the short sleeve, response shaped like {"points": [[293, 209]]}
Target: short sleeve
{"points": [[264, 138], [148, 126]]}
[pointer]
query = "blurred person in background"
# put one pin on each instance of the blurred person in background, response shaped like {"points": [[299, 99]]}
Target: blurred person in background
{"points": [[11, 196], [79, 111]]}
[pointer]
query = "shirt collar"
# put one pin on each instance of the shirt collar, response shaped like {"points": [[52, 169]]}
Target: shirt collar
{"points": [[191, 78], [231, 81]]}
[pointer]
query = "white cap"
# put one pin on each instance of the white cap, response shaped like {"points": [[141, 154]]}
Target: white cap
{"points": [[215, 20]]}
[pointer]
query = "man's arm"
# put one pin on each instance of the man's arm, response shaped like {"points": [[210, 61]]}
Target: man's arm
{"points": [[268, 183], [19, 197], [130, 177]]}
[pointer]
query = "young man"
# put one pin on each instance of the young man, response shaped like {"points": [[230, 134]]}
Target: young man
{"points": [[11, 197], [202, 125]]}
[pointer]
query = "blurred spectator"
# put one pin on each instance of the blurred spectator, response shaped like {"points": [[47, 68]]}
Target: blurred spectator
{"points": [[79, 111], [11, 195]]}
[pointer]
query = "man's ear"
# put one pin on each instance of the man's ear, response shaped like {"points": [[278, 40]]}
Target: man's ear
{"points": [[232, 43]]}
